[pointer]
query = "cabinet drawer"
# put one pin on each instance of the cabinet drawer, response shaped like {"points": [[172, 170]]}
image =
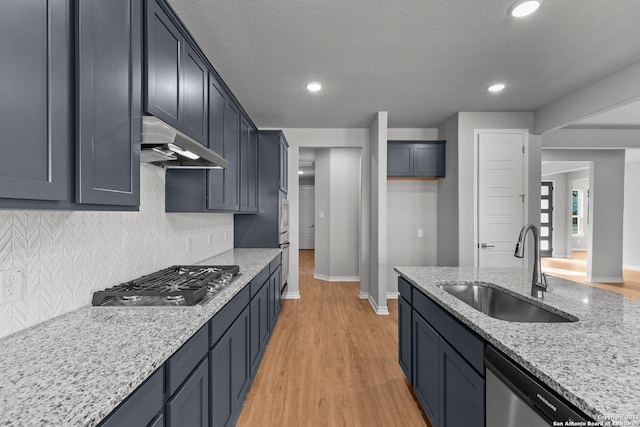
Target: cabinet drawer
{"points": [[259, 281], [180, 365], [225, 317], [141, 406], [274, 264], [404, 288], [465, 342]]}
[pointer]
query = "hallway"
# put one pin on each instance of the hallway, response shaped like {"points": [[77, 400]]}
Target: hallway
{"points": [[575, 269], [331, 362]]}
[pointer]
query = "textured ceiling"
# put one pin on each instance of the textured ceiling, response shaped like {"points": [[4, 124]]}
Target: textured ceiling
{"points": [[420, 60]]}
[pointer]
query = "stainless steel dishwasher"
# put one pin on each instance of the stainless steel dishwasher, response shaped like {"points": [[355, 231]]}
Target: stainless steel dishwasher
{"points": [[514, 398]]}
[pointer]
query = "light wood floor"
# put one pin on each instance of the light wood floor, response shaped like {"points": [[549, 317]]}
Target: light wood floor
{"points": [[575, 269], [331, 362]]}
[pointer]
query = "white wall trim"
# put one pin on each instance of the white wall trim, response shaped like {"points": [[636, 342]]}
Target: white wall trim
{"points": [[631, 267], [381, 311], [393, 295], [363, 295], [291, 295], [560, 256], [605, 279], [336, 278]]}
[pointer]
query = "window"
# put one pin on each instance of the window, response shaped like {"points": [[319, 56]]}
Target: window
{"points": [[576, 212]]}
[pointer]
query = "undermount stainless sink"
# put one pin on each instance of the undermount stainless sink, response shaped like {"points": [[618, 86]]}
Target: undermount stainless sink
{"points": [[501, 305]]}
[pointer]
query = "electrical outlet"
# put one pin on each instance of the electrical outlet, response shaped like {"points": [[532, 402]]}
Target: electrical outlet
{"points": [[210, 239], [189, 244], [226, 236], [321, 215], [10, 286], [420, 232]]}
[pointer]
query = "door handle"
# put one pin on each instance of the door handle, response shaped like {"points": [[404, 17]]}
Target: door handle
{"points": [[484, 246]]}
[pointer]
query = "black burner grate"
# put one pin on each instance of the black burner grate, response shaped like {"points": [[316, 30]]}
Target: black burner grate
{"points": [[176, 282]]}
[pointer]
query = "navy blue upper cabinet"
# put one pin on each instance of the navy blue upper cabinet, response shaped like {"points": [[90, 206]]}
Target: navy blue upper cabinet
{"points": [[262, 229], [177, 78], [34, 95], [196, 85], [165, 45], [283, 179], [109, 96], [215, 177], [424, 159], [248, 167], [231, 154]]}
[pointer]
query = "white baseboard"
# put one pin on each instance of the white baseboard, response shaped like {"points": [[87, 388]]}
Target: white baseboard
{"points": [[605, 279], [364, 295], [291, 295], [336, 278], [631, 267], [382, 311], [393, 295]]}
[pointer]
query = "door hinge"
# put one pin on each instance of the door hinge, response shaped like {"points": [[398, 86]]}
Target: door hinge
{"points": [[523, 149]]}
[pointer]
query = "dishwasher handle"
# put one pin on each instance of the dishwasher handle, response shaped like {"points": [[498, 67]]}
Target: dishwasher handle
{"points": [[546, 402]]}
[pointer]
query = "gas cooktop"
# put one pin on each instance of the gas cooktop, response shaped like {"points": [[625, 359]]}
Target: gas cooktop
{"points": [[179, 285]]}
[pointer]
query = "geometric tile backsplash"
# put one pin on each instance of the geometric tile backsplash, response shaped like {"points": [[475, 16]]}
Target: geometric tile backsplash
{"points": [[65, 256]]}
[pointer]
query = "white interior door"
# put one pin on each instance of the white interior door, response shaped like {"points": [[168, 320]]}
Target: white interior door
{"points": [[501, 198], [307, 217]]}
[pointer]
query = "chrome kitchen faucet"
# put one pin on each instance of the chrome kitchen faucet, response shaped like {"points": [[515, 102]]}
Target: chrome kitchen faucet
{"points": [[539, 280]]}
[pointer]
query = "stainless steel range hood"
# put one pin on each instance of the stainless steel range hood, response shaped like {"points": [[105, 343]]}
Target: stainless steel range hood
{"points": [[163, 145]]}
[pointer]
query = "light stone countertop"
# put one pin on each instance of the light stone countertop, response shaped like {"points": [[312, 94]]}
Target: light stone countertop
{"points": [[594, 362], [73, 370]]}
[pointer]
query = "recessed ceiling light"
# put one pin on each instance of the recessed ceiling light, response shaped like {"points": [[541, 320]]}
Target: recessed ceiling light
{"points": [[496, 87], [300, 172], [524, 8], [313, 86]]}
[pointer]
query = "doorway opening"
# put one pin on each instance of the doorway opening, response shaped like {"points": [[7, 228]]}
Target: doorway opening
{"points": [[330, 210]]}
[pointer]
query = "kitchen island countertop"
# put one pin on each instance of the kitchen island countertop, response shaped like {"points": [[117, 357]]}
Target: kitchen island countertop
{"points": [[593, 363], [73, 370]]}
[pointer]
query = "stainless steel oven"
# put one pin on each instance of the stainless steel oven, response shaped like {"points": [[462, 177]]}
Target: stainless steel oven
{"points": [[283, 216]]}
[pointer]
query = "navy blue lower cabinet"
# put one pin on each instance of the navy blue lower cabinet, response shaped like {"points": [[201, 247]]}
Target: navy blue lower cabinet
{"points": [[259, 328], [189, 407], [460, 385], [140, 408], [158, 422], [426, 351], [404, 338], [274, 298], [220, 359], [229, 372], [241, 375]]}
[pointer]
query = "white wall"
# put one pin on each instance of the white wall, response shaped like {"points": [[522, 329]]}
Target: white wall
{"points": [[467, 124], [327, 138], [448, 217], [337, 251], [412, 134], [344, 228], [411, 205], [631, 237], [378, 226], [66, 256]]}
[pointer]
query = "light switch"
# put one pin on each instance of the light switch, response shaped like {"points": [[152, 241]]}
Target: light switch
{"points": [[420, 232], [321, 215]]}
